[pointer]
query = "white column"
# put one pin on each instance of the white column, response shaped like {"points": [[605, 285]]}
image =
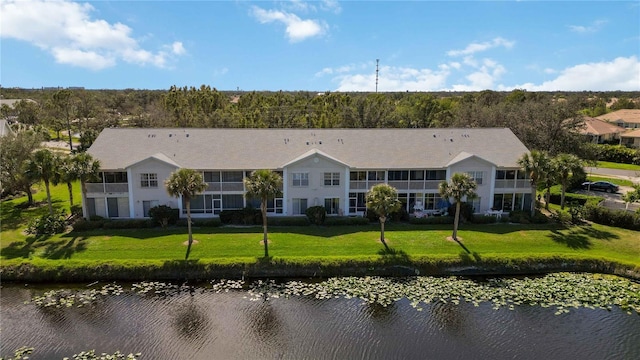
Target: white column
{"points": [[132, 211], [285, 187], [345, 207], [492, 185]]}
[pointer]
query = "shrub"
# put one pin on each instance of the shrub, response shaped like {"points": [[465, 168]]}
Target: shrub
{"points": [[209, 222], [84, 225], [164, 215], [316, 214], [246, 216], [614, 153], [128, 224], [432, 220], [484, 219], [288, 221], [47, 224], [572, 197], [618, 218], [346, 220]]}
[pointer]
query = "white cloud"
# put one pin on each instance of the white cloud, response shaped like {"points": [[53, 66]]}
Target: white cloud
{"points": [[391, 78], [595, 26], [623, 73], [67, 31], [479, 47], [297, 29]]}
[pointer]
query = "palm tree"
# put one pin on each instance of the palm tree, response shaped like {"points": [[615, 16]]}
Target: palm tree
{"points": [[85, 169], [537, 164], [382, 199], [66, 174], [186, 183], [264, 185], [565, 165], [460, 186], [43, 167], [631, 196]]}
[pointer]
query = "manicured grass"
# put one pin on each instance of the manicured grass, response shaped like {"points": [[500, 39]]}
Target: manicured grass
{"points": [[312, 243], [621, 182], [612, 165]]}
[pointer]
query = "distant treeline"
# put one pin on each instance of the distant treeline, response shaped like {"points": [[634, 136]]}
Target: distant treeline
{"points": [[542, 120]]}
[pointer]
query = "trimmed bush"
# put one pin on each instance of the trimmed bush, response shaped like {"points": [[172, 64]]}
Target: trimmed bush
{"points": [[164, 215], [484, 219], [618, 218], [84, 225], [346, 220], [246, 216], [316, 214], [432, 220], [128, 224], [288, 221], [209, 222]]}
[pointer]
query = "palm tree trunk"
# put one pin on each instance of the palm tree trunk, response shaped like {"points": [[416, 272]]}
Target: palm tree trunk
{"points": [[265, 237], [188, 203], [533, 199], [83, 190], [383, 219], [27, 189], [46, 185], [456, 220], [70, 188], [547, 198]]}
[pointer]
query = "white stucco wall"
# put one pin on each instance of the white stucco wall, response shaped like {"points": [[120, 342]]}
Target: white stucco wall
{"points": [[484, 191], [316, 192], [140, 194]]}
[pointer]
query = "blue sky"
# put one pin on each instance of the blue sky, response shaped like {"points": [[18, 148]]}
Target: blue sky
{"points": [[322, 45]]}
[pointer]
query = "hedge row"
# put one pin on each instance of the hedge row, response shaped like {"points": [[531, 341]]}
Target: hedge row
{"points": [[615, 153], [617, 218]]}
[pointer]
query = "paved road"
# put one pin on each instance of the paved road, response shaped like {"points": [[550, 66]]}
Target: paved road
{"points": [[623, 174]]}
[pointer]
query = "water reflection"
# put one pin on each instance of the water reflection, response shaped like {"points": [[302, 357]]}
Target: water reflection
{"points": [[207, 325]]}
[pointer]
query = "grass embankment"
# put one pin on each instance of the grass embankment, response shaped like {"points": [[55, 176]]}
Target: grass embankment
{"points": [[612, 165], [310, 250]]}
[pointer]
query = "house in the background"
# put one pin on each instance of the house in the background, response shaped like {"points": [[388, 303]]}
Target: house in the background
{"points": [[631, 138], [5, 129], [625, 118], [333, 168], [600, 131]]}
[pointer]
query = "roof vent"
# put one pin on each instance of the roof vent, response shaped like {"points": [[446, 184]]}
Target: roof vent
{"points": [[187, 135], [307, 143], [170, 135], [320, 142], [451, 139], [434, 135]]}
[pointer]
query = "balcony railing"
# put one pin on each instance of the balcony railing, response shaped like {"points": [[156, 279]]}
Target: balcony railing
{"points": [[107, 187], [513, 184]]}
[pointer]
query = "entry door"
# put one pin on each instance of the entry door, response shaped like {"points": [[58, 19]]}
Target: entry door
{"points": [[217, 206]]}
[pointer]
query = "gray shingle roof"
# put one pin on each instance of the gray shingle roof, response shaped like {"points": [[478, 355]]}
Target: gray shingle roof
{"points": [[273, 148]]}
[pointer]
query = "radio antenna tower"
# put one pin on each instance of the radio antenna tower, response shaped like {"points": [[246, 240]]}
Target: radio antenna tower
{"points": [[377, 62]]}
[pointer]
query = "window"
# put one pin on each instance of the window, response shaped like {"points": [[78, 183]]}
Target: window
{"points": [[212, 176], [358, 176], [417, 174], [200, 204], [398, 175], [357, 202], [232, 201], [436, 174], [300, 179], [146, 205], [299, 206], [476, 204], [476, 176], [149, 180], [376, 175], [114, 177], [332, 179], [332, 206], [232, 176]]}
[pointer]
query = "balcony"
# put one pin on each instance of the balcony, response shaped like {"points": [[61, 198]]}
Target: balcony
{"points": [[107, 187]]}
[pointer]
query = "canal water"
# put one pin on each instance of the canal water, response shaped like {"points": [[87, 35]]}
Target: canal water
{"points": [[203, 324]]}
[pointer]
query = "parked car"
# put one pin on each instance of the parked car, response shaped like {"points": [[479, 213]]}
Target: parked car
{"points": [[601, 185]]}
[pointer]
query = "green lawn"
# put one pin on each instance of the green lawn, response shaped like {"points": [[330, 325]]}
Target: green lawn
{"points": [[612, 165], [311, 243]]}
